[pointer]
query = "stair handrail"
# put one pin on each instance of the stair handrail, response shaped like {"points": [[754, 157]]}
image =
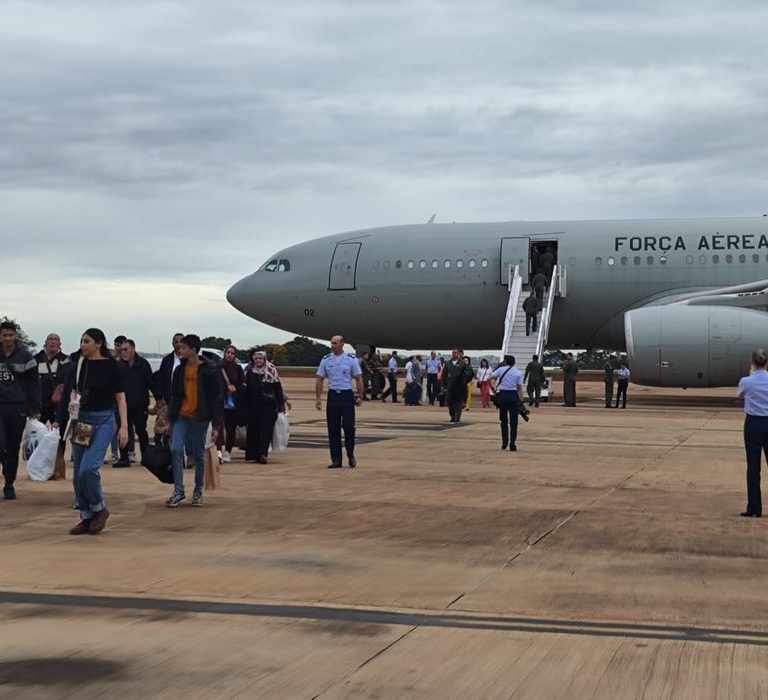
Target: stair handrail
{"points": [[546, 314], [515, 287]]}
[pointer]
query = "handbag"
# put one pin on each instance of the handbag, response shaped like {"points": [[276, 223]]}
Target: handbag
{"points": [[212, 472], [82, 433], [157, 459]]}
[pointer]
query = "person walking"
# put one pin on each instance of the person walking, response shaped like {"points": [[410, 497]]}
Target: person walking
{"points": [[137, 384], [509, 386], [534, 379], [162, 379], [531, 308], [754, 390], [52, 366], [456, 373], [97, 386], [484, 373], [609, 373], [340, 369], [263, 399], [234, 378], [196, 400], [539, 283], [570, 370], [623, 375], [433, 365], [392, 378], [19, 399], [469, 376]]}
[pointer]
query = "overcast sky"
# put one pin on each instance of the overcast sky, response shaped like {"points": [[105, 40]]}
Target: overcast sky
{"points": [[154, 152]]}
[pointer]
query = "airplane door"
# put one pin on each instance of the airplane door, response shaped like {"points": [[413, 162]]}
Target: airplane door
{"points": [[514, 251], [344, 266]]}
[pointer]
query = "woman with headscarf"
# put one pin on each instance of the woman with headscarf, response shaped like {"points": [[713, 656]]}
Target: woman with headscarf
{"points": [[233, 376], [263, 399]]}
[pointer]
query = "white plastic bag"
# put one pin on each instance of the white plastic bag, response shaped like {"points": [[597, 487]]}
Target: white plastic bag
{"points": [[42, 462], [33, 433], [281, 433]]}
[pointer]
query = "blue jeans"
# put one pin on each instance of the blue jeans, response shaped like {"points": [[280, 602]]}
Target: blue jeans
{"points": [[87, 460], [189, 433]]}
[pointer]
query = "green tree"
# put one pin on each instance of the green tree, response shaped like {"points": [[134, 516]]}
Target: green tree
{"points": [[26, 341], [211, 341], [276, 353], [302, 351]]}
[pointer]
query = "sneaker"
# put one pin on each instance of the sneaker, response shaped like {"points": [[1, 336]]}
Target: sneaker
{"points": [[226, 457], [132, 457], [175, 500], [121, 464], [9, 493], [218, 454], [197, 499], [115, 459]]}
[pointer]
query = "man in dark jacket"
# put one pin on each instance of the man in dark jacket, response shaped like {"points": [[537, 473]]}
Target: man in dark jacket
{"points": [[534, 377], [52, 366], [197, 399], [162, 382], [19, 398], [138, 382], [531, 308], [456, 374]]}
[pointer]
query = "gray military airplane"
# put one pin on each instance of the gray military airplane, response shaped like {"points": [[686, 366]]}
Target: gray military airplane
{"points": [[687, 299]]}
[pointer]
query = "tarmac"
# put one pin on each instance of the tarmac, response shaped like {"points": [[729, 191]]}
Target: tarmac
{"points": [[606, 558]]}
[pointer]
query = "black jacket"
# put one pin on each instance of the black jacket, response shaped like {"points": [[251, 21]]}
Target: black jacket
{"points": [[210, 393], [19, 380], [51, 376], [163, 377], [138, 382]]}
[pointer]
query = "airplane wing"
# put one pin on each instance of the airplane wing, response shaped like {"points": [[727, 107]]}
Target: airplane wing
{"points": [[753, 295]]}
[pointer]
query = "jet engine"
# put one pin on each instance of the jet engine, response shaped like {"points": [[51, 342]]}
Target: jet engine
{"points": [[692, 346]]}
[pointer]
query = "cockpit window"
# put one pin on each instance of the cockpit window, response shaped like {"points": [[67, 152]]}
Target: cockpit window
{"points": [[281, 265]]}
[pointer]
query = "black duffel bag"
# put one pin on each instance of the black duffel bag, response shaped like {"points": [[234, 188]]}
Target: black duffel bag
{"points": [[157, 458]]}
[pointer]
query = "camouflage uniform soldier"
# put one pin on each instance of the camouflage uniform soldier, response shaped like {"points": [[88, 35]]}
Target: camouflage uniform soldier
{"points": [[570, 370], [534, 376]]}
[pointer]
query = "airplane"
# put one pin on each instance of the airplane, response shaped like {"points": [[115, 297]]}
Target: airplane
{"points": [[686, 299]]}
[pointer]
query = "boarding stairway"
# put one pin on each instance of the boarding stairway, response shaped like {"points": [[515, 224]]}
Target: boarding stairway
{"points": [[516, 342]]}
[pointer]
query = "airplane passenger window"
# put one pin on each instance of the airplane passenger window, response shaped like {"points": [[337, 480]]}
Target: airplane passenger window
{"points": [[483, 263], [624, 260], [729, 258], [376, 264], [387, 264], [742, 258], [702, 259], [663, 259], [435, 264], [472, 263], [649, 260], [637, 260], [422, 264], [459, 263], [756, 258], [689, 259], [447, 264], [271, 266], [715, 258], [611, 261], [411, 264], [283, 266], [598, 260], [398, 264]]}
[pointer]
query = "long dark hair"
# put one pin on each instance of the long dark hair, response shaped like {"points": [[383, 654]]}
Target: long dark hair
{"points": [[97, 335]]}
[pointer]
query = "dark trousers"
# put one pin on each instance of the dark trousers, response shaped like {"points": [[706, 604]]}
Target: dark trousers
{"points": [[227, 434], [258, 433], [340, 412], [608, 392], [455, 397], [12, 421], [392, 390], [432, 388], [534, 392], [137, 424], [569, 392], [621, 392], [755, 444], [531, 321], [508, 416]]}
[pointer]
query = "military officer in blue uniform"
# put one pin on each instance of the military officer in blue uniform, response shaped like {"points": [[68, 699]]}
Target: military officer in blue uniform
{"points": [[340, 369]]}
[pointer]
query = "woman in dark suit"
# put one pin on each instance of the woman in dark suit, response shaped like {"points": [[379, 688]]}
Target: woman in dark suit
{"points": [[262, 400]]}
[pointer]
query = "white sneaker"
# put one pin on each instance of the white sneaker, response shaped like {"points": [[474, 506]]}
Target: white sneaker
{"points": [[218, 454], [226, 458]]}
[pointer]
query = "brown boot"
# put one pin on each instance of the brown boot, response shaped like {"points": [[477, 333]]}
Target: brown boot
{"points": [[98, 522], [82, 528]]}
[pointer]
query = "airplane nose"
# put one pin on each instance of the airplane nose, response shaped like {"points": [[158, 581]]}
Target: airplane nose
{"points": [[238, 295]]}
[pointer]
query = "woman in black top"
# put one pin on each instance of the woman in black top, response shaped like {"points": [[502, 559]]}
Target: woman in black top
{"points": [[233, 376], [97, 389], [263, 399]]}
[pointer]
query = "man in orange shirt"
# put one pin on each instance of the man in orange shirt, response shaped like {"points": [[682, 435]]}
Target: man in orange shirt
{"points": [[196, 400]]}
